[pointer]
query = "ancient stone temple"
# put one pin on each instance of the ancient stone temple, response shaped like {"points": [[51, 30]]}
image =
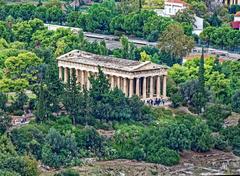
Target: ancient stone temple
{"points": [[145, 79]]}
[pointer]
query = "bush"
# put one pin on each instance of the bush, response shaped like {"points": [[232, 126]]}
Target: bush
{"points": [[28, 140], [215, 115], [8, 173], [220, 143], [236, 102], [89, 139], [236, 145], [21, 165], [18, 112], [164, 156], [5, 122], [68, 172], [202, 141]]}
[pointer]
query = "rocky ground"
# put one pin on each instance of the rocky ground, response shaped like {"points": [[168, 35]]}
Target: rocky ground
{"points": [[210, 163]]}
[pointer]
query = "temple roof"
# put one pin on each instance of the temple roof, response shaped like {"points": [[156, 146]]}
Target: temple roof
{"points": [[86, 58], [177, 2]]}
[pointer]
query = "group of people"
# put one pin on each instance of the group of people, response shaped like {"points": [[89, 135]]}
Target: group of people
{"points": [[156, 102]]}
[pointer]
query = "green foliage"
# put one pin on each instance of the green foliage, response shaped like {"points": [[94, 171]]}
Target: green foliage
{"points": [[20, 165], [5, 122], [220, 143], [8, 173], [89, 140], [164, 156], [236, 145], [68, 172], [202, 140], [220, 79], [7, 149], [236, 102], [60, 150], [160, 143], [222, 37], [28, 140], [169, 41], [11, 163], [215, 115], [3, 101]]}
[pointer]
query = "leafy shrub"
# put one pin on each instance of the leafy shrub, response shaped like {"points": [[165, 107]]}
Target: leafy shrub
{"points": [[164, 156], [60, 150], [215, 115], [21, 165], [202, 141], [89, 139], [8, 173], [68, 172], [220, 143], [236, 102], [236, 145], [5, 122], [28, 140]]}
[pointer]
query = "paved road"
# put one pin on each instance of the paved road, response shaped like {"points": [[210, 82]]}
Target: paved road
{"points": [[112, 42]]}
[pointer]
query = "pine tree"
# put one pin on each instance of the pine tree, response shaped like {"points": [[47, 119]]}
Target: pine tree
{"points": [[72, 97]]}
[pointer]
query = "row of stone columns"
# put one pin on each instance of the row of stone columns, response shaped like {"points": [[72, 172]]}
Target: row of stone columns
{"points": [[144, 87]]}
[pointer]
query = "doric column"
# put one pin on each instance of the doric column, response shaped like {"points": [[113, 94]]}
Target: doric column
{"points": [[130, 87], [144, 88], [137, 87], [65, 75], [119, 82], [164, 86], [77, 75], [151, 87], [112, 81], [88, 82], [158, 87], [60, 73], [82, 78], [125, 86], [71, 73]]}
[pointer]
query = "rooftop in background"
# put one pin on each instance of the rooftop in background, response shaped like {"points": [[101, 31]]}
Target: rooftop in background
{"points": [[177, 2], [235, 25], [87, 58], [237, 14]]}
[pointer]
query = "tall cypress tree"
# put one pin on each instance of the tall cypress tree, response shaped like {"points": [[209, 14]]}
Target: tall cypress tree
{"points": [[201, 72], [201, 80]]}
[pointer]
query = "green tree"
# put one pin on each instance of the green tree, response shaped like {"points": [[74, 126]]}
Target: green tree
{"points": [[201, 80], [174, 41], [3, 101], [72, 98], [41, 105], [100, 86], [185, 16], [20, 101], [215, 115], [5, 122]]}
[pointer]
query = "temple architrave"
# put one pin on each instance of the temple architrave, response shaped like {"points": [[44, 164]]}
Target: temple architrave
{"points": [[144, 79]]}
